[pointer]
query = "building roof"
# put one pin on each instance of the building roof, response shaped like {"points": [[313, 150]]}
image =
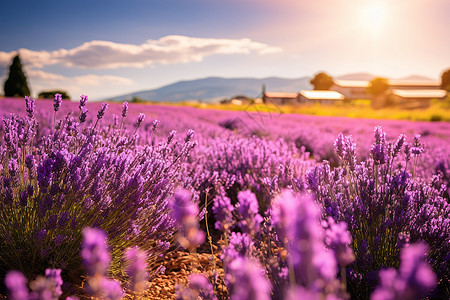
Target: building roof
{"points": [[280, 95], [352, 83], [437, 94], [318, 94], [236, 101], [400, 82]]}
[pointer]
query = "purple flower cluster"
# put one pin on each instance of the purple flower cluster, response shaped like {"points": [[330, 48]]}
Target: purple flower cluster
{"points": [[247, 207], [199, 288], [381, 202], [58, 182], [413, 280], [95, 253], [185, 213], [136, 268], [312, 266]]}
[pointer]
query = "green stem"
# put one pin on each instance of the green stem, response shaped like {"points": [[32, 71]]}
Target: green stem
{"points": [[210, 238]]}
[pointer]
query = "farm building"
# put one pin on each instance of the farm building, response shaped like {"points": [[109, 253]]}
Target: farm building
{"points": [[322, 97], [352, 89], [414, 98], [280, 98], [413, 84]]}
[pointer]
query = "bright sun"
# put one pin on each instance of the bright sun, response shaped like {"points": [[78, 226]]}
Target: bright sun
{"points": [[373, 16]]}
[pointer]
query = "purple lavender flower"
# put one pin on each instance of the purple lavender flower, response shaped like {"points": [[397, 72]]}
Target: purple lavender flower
{"points": [[13, 168], [16, 284], [339, 145], [30, 105], [417, 146], [189, 135], [201, 284], [51, 222], [57, 102], [240, 245], [102, 110], [247, 280], [399, 144], [314, 267], [414, 279], [350, 153], [95, 255], [155, 124], [248, 206], [112, 289], [83, 114], [140, 119], [55, 276], [83, 101], [29, 162], [171, 136], [223, 211], [185, 213], [40, 236], [44, 173], [105, 288], [124, 109], [338, 238], [64, 219], [136, 268], [23, 198], [47, 288], [284, 214]]}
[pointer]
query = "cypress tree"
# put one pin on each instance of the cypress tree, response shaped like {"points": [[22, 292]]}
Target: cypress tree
{"points": [[16, 84]]}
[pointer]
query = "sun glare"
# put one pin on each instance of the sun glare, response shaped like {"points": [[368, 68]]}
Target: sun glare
{"points": [[373, 16]]}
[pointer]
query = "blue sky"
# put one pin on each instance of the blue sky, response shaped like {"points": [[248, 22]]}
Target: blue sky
{"points": [[106, 48]]}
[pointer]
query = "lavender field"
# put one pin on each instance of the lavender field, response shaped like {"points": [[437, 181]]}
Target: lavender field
{"points": [[98, 199]]}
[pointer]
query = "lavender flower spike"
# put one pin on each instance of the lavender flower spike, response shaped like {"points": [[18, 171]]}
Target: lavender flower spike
{"points": [[16, 284], [83, 101], [248, 280], [102, 110], [30, 104], [54, 275], [200, 283], [185, 213], [338, 238], [223, 211], [95, 255], [248, 209], [125, 109], [140, 119], [83, 114], [136, 268], [414, 279], [57, 102]]}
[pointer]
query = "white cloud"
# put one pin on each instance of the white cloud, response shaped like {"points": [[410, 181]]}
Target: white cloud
{"points": [[101, 80], [41, 75], [90, 84], [166, 50]]}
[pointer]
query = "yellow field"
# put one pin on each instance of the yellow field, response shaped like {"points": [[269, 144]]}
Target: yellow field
{"points": [[438, 111]]}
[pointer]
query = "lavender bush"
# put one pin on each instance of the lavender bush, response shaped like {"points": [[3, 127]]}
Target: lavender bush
{"points": [[78, 175], [382, 202]]}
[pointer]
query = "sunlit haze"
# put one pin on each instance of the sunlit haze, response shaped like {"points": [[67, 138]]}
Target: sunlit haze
{"points": [[107, 48], [373, 16]]}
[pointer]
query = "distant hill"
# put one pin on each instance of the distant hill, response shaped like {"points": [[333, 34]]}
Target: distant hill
{"points": [[214, 89], [368, 77], [417, 77], [356, 76]]}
